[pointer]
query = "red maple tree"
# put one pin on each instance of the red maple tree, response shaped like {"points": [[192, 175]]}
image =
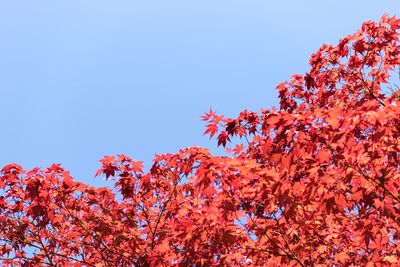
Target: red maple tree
{"points": [[313, 183]]}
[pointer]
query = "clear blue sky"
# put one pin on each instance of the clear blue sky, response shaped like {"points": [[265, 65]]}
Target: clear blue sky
{"points": [[83, 79]]}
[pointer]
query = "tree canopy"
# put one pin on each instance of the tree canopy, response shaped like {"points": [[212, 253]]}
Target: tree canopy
{"points": [[314, 182]]}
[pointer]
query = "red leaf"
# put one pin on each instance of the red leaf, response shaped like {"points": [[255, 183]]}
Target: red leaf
{"points": [[323, 156], [223, 137]]}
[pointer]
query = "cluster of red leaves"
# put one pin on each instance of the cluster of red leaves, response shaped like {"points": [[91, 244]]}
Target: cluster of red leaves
{"points": [[314, 183]]}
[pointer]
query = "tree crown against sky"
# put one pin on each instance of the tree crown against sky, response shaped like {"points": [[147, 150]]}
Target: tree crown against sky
{"points": [[314, 182]]}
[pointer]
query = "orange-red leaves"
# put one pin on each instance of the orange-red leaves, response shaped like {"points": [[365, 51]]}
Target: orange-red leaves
{"points": [[211, 129], [323, 156], [273, 119], [334, 118], [342, 257], [108, 160], [391, 259], [286, 161], [137, 166]]}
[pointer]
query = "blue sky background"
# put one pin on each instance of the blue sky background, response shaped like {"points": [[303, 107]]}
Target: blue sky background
{"points": [[83, 79]]}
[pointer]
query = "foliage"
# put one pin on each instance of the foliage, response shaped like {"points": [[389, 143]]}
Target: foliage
{"points": [[313, 183]]}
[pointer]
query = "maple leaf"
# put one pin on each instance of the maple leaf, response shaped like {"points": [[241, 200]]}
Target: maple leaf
{"points": [[212, 129], [323, 156], [391, 259], [223, 138], [137, 166], [209, 115], [108, 160]]}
